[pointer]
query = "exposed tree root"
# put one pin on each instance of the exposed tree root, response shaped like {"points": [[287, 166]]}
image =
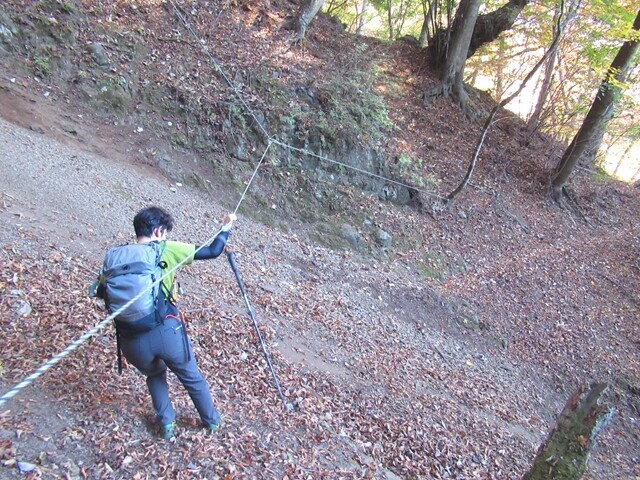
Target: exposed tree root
{"points": [[462, 100], [567, 202]]}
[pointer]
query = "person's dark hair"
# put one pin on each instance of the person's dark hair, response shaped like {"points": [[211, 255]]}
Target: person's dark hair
{"points": [[147, 219]]}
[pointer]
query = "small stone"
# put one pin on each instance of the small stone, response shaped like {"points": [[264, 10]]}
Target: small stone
{"points": [[72, 470], [26, 467], [99, 54], [352, 236], [22, 308], [383, 239], [6, 35]]}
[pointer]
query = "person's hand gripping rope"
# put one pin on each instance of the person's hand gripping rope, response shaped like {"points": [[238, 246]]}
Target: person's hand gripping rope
{"points": [[227, 222]]}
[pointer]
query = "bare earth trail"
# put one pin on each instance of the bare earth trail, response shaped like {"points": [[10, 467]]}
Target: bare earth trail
{"points": [[387, 382]]}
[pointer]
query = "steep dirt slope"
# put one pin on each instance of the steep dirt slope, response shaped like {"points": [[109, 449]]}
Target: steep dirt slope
{"points": [[388, 374]]}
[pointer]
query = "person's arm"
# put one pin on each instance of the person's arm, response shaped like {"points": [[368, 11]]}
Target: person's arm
{"points": [[216, 247]]}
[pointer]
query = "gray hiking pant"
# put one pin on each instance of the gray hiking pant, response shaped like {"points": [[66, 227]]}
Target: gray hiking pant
{"points": [[165, 346]]}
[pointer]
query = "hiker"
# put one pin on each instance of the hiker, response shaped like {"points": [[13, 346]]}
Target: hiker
{"points": [[153, 338]]}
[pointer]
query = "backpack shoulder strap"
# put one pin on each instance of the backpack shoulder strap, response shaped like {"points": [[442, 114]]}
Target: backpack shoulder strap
{"points": [[161, 247]]}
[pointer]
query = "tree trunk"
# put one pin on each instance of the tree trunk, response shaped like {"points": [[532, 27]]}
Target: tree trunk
{"points": [[362, 20], [389, 20], [402, 17], [308, 10], [491, 25], [591, 155], [487, 28], [452, 75], [601, 110], [423, 40], [564, 454], [631, 145], [534, 120], [501, 71]]}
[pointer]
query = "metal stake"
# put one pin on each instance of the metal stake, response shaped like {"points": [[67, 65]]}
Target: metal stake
{"points": [[230, 256]]}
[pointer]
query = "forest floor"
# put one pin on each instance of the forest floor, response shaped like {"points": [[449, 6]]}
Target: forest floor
{"points": [[448, 355]]}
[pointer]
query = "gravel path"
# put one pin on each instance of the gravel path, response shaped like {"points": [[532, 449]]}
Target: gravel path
{"points": [[96, 198]]}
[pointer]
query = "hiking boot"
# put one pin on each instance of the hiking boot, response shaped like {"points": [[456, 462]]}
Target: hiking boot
{"points": [[212, 427], [168, 431]]}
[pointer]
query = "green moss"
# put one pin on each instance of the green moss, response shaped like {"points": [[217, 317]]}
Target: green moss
{"points": [[393, 87], [57, 6], [436, 266], [67, 7], [347, 105], [565, 458], [178, 139], [432, 266], [237, 116], [470, 322], [412, 169], [330, 235], [43, 63], [353, 105], [113, 99], [200, 182], [566, 453]]}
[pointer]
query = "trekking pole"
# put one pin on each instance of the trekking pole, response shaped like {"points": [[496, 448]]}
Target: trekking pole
{"points": [[232, 261]]}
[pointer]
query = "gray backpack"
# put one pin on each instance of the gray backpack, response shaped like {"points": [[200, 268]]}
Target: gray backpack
{"points": [[127, 271]]}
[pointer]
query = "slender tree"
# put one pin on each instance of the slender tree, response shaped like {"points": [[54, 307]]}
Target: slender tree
{"points": [[390, 19], [533, 123], [427, 22], [600, 112], [632, 144], [307, 12], [534, 119], [361, 17], [396, 13]]}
